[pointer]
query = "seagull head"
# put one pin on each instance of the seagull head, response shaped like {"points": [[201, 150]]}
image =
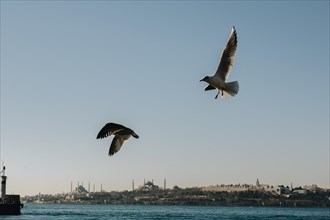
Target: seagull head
{"points": [[205, 79]]}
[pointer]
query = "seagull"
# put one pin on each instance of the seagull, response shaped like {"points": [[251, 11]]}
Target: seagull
{"points": [[121, 134], [218, 81]]}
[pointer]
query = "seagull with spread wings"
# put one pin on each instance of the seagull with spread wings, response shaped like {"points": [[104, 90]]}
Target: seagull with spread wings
{"points": [[121, 134], [218, 81]]}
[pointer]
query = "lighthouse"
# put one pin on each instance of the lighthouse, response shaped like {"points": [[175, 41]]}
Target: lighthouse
{"points": [[3, 184], [9, 204]]}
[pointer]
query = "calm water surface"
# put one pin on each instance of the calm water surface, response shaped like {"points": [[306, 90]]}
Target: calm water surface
{"points": [[80, 212]]}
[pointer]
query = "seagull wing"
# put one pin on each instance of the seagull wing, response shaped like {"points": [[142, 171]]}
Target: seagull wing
{"points": [[227, 57], [116, 144], [109, 129], [208, 87]]}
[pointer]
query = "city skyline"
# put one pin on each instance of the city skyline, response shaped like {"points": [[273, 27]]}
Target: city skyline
{"points": [[70, 67], [147, 185], [90, 187], [257, 195]]}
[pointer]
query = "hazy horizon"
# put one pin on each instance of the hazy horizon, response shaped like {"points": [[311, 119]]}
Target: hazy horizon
{"points": [[70, 67]]}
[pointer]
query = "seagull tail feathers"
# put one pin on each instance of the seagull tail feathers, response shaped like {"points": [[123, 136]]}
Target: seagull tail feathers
{"points": [[231, 89]]}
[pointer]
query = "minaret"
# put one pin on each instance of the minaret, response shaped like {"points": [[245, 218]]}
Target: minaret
{"points": [[164, 184], [94, 187], [71, 187], [101, 188], [257, 183], [89, 186], [133, 185]]}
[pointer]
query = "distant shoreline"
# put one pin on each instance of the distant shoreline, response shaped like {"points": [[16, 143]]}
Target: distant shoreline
{"points": [[231, 206], [190, 197]]}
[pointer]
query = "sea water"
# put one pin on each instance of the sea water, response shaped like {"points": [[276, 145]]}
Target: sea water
{"points": [[81, 212]]}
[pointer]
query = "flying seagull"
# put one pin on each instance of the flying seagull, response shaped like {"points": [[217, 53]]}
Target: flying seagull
{"points": [[121, 134], [218, 81]]}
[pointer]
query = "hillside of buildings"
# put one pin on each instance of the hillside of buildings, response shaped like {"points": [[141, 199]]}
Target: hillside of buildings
{"points": [[219, 195]]}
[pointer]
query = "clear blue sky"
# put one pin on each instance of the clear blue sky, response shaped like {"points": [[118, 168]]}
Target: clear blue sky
{"points": [[67, 68]]}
